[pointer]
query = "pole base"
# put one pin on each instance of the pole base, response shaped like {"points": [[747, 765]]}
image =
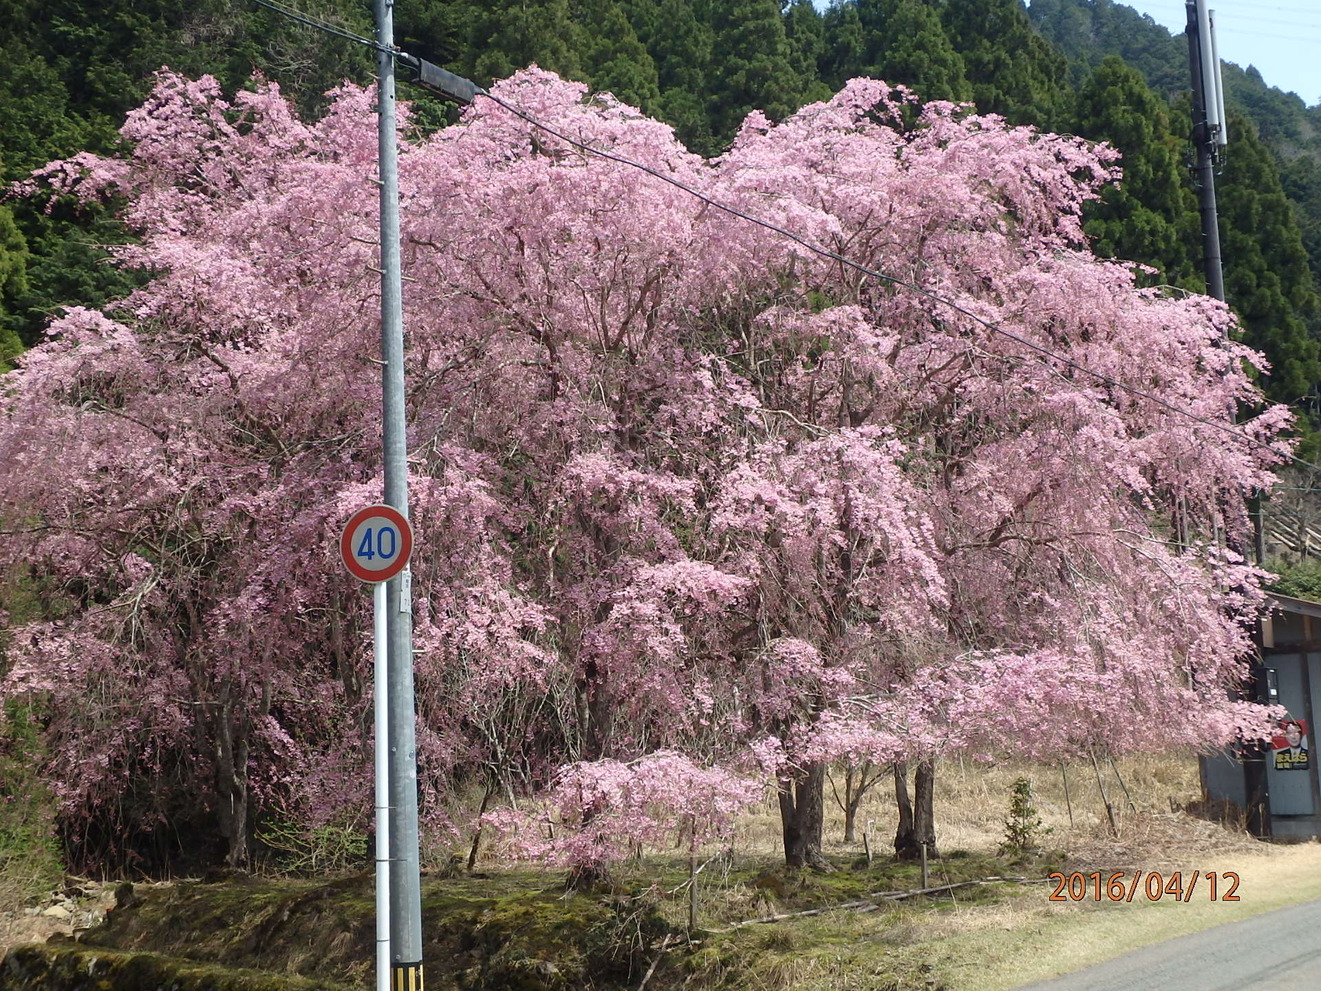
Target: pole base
{"points": [[406, 976]]}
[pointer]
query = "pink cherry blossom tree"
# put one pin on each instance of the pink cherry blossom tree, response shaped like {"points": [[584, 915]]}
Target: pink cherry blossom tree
{"points": [[597, 812], [682, 487]]}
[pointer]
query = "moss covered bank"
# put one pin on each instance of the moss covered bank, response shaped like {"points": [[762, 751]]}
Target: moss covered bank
{"points": [[246, 934]]}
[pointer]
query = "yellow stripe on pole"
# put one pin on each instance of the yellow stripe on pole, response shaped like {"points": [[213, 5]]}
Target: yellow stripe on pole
{"points": [[406, 977]]}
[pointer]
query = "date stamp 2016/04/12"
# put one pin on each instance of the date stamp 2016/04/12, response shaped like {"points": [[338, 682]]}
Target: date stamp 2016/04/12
{"points": [[1124, 886]]}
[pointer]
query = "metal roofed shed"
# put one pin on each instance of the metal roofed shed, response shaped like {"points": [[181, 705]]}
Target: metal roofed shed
{"points": [[1276, 786]]}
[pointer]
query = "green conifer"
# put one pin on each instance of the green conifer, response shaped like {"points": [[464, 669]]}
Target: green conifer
{"points": [[13, 281], [613, 57], [1151, 216], [1014, 71], [1267, 278], [679, 43], [750, 47], [805, 29], [902, 42]]}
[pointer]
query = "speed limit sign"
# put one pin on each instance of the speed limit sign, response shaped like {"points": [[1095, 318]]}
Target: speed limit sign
{"points": [[376, 543]]}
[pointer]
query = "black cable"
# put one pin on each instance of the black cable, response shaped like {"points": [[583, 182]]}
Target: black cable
{"points": [[467, 96], [312, 22], [912, 287]]}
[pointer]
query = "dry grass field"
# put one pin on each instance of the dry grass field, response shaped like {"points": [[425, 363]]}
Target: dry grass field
{"points": [[1000, 938], [1148, 797]]}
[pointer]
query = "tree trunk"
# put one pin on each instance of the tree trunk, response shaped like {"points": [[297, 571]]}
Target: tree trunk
{"points": [[903, 833], [232, 786], [924, 812], [852, 799], [917, 820], [232, 733], [802, 817], [857, 782], [588, 877]]}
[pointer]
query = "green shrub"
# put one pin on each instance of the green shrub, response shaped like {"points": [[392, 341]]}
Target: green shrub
{"points": [[1301, 580], [334, 847], [1023, 826]]}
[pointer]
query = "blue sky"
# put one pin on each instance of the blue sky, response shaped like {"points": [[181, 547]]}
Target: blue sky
{"points": [[1282, 39]]}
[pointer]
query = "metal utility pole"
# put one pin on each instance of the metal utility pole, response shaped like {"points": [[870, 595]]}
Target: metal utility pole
{"points": [[405, 884], [376, 544], [381, 768], [1208, 134]]}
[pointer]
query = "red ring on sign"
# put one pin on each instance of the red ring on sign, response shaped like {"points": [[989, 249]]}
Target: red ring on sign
{"points": [[350, 543]]}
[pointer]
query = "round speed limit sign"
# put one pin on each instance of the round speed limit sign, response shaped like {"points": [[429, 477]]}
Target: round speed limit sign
{"points": [[376, 543]]}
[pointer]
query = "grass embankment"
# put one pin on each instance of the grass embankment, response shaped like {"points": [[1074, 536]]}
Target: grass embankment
{"points": [[518, 929], [510, 930], [505, 930]]}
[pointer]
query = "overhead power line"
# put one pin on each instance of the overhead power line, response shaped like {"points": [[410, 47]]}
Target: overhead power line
{"points": [[313, 21], [461, 90], [1040, 350], [1228, 17], [1295, 37], [1252, 7]]}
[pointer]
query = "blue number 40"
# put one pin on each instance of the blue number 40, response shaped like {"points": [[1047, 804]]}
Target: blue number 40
{"points": [[381, 543]]}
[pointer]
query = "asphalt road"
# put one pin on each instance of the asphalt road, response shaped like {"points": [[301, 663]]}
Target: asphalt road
{"points": [[1275, 951]]}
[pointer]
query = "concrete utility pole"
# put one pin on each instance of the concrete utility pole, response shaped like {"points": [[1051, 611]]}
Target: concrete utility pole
{"points": [[405, 884]]}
